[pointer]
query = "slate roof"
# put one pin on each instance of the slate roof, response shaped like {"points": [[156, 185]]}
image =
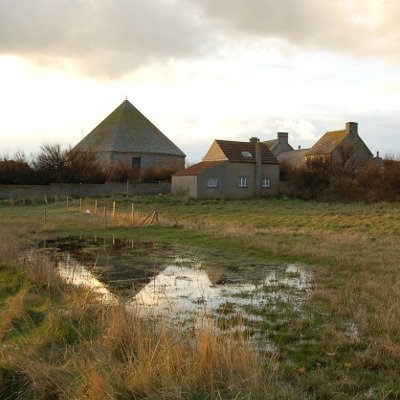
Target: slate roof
{"points": [[199, 168], [294, 158], [328, 142], [126, 129], [233, 151], [271, 143]]}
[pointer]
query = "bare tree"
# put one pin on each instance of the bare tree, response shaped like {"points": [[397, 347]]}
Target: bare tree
{"points": [[83, 167], [51, 164], [345, 160]]}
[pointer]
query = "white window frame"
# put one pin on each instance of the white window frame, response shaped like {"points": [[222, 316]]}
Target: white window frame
{"points": [[266, 182], [212, 182], [242, 181]]}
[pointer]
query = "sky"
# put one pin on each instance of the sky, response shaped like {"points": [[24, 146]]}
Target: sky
{"points": [[200, 69]]}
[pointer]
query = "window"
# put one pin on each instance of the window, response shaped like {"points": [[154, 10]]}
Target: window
{"points": [[246, 154], [137, 162], [212, 182], [242, 181], [265, 183]]}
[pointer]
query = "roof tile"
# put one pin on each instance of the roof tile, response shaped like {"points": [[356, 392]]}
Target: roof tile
{"points": [[199, 168], [328, 142], [233, 151]]}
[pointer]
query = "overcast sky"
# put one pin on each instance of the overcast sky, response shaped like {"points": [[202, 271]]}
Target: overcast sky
{"points": [[200, 69]]}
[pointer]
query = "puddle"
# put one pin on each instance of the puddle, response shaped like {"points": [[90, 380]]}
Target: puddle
{"points": [[160, 280], [75, 273]]}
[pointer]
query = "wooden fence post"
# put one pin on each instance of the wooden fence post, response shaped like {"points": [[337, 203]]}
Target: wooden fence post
{"points": [[105, 216], [67, 201], [133, 214], [127, 188], [113, 212], [95, 206], [80, 204]]}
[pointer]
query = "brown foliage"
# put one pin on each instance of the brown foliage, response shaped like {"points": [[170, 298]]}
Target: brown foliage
{"points": [[51, 164], [159, 173], [345, 179], [121, 172], [16, 170], [83, 167]]}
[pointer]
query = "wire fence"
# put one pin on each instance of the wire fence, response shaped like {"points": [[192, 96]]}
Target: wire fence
{"points": [[103, 212]]}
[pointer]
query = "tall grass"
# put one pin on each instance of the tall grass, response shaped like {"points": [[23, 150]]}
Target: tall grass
{"points": [[62, 342]]}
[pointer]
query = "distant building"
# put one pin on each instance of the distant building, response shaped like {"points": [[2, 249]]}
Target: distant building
{"points": [[231, 169], [333, 145], [294, 158], [336, 146], [127, 136], [280, 144]]}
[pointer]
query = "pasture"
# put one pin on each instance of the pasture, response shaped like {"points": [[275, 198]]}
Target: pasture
{"points": [[343, 343]]}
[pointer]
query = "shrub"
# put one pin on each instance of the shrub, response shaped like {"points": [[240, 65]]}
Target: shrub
{"points": [[159, 173], [83, 167], [16, 170], [121, 172], [342, 181], [51, 164]]}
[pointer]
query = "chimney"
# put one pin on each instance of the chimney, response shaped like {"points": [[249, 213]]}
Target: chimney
{"points": [[254, 140], [283, 137], [352, 128], [258, 166]]}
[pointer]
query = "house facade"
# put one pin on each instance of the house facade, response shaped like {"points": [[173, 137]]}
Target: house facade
{"points": [[231, 169], [126, 136]]}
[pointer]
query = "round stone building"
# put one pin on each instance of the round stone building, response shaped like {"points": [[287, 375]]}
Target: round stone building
{"points": [[126, 136]]}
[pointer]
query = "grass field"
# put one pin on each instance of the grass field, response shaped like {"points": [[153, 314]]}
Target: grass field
{"points": [[345, 344]]}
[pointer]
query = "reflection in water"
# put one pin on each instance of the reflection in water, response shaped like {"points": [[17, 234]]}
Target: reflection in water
{"points": [[183, 292], [75, 273], [153, 281], [179, 291]]}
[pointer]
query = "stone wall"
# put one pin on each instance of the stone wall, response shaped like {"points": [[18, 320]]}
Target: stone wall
{"points": [[147, 159], [82, 190]]}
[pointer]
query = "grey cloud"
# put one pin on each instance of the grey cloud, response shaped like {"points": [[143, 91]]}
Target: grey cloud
{"points": [[108, 37], [358, 27], [114, 37]]}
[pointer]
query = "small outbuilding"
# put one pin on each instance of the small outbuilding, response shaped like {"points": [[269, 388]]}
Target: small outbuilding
{"points": [[126, 136], [231, 169]]}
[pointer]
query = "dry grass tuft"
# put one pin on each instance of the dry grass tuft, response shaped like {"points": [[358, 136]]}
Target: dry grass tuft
{"points": [[16, 311]]}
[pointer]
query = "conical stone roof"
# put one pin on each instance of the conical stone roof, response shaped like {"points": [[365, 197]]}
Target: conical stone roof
{"points": [[126, 129]]}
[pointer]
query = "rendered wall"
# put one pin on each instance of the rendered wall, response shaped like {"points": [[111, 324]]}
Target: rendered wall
{"points": [[228, 174], [184, 186]]}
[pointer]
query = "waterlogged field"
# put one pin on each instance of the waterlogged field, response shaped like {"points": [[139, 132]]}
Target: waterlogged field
{"points": [[174, 283], [318, 284]]}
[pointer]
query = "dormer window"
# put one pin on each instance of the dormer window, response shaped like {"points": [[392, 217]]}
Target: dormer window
{"points": [[246, 154]]}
